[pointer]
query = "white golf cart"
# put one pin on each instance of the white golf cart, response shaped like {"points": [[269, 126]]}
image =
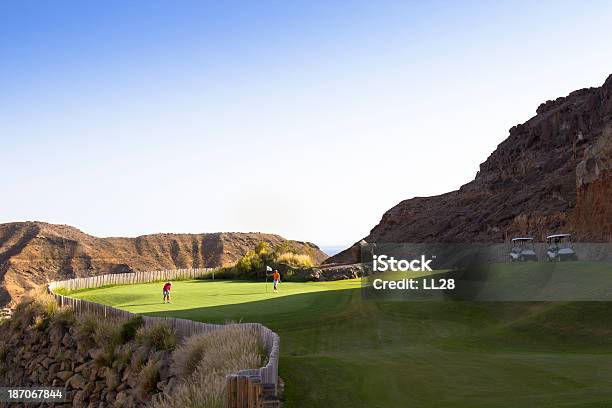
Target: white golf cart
{"points": [[522, 250], [560, 248]]}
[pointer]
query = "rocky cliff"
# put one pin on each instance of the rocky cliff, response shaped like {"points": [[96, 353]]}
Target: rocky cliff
{"points": [[32, 253], [553, 173]]}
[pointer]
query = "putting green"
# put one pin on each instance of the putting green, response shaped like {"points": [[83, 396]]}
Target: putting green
{"points": [[190, 297], [338, 350]]}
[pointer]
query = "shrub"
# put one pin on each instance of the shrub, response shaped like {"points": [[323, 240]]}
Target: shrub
{"points": [[283, 247], [48, 305], [293, 259], [35, 309], [104, 357], [129, 328], [251, 261], [123, 354], [262, 248], [86, 325], [107, 334], [255, 260], [64, 318], [157, 336], [138, 361], [147, 379]]}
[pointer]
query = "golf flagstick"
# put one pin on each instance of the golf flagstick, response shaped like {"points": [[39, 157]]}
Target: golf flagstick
{"points": [[268, 269]]}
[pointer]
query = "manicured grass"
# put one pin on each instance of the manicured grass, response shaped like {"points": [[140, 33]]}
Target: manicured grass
{"points": [[338, 350]]}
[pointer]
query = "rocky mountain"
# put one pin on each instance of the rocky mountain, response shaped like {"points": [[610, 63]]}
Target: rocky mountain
{"points": [[32, 253], [553, 173]]}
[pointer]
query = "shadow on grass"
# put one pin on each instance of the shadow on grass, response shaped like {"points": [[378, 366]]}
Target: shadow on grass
{"points": [[142, 304], [451, 324], [298, 308]]}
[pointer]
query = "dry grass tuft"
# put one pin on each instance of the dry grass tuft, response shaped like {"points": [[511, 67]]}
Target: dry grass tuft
{"points": [[36, 309], [157, 336], [293, 259], [203, 361], [147, 380]]}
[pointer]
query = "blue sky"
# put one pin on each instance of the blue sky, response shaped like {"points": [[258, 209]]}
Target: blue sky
{"points": [[308, 119]]}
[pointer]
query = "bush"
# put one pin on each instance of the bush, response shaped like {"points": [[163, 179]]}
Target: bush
{"points": [[254, 261], [107, 334], [64, 318], [123, 354], [104, 357], [251, 261], [158, 336], [138, 361], [297, 260], [36, 308], [129, 328], [147, 380], [86, 325], [262, 248]]}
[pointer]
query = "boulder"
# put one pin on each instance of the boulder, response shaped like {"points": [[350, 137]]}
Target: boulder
{"points": [[121, 400], [64, 375], [77, 382], [68, 341]]}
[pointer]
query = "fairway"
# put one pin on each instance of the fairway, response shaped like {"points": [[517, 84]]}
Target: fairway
{"points": [[338, 350]]}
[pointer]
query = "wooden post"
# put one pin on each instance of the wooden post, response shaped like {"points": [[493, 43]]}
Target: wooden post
{"points": [[231, 386]]}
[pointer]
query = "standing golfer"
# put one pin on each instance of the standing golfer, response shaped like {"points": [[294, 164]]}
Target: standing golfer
{"points": [[167, 288], [276, 279]]}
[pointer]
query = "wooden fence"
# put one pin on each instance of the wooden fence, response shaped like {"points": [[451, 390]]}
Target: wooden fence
{"points": [[245, 391], [254, 388], [132, 278]]}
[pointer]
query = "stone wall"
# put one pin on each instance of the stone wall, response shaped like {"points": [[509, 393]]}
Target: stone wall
{"points": [[58, 356]]}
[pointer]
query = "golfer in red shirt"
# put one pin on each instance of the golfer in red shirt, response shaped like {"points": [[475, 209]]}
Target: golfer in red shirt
{"points": [[167, 287]]}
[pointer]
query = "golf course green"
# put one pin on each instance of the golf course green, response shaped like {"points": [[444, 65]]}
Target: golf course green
{"points": [[338, 350]]}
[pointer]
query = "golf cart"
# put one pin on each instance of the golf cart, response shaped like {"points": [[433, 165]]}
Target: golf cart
{"points": [[560, 248], [522, 250]]}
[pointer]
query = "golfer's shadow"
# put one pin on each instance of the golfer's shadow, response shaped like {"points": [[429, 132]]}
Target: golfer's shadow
{"points": [[142, 304]]}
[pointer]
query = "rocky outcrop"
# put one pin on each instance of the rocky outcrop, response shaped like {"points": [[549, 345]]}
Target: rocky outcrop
{"points": [[32, 253], [593, 213], [553, 173], [322, 273]]}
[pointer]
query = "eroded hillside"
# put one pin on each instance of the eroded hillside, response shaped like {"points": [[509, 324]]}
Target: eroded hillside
{"points": [[32, 253]]}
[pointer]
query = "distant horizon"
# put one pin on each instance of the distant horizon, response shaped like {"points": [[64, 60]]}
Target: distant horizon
{"points": [[308, 119]]}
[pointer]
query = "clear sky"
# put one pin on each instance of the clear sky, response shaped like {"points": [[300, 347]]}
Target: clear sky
{"points": [[308, 119]]}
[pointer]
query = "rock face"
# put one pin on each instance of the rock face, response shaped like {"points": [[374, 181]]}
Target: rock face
{"points": [[553, 173], [32, 253]]}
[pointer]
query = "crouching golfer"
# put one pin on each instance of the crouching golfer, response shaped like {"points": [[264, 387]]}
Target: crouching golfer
{"points": [[276, 279], [167, 288]]}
